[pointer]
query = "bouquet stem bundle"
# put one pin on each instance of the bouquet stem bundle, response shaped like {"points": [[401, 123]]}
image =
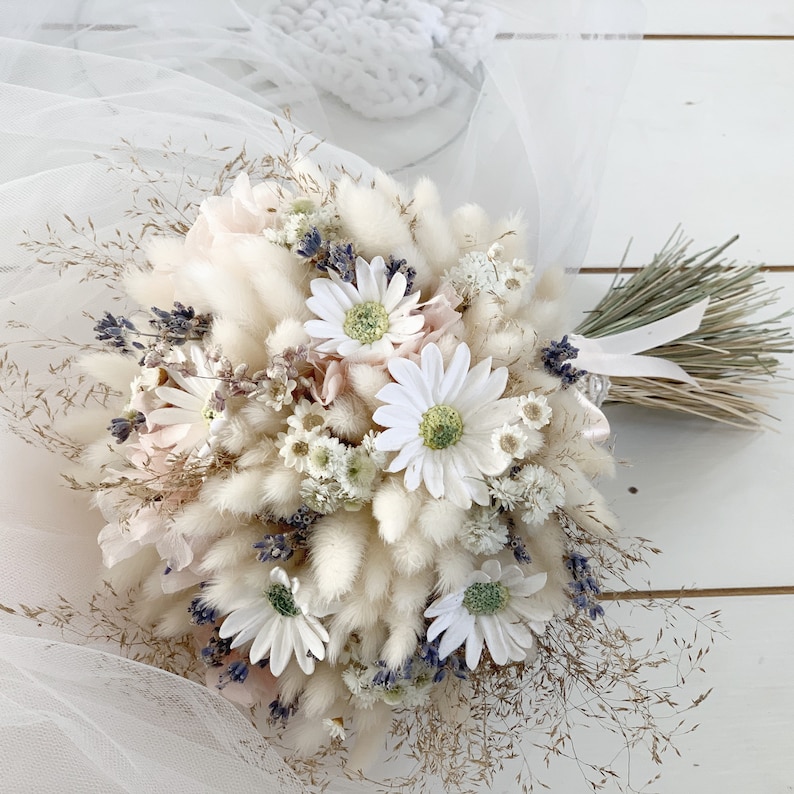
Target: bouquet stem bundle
{"points": [[733, 356]]}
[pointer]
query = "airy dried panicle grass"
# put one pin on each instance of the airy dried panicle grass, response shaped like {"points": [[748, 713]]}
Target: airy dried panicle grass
{"points": [[108, 620]]}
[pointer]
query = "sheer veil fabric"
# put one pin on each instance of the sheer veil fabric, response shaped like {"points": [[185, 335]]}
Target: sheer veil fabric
{"points": [[205, 80]]}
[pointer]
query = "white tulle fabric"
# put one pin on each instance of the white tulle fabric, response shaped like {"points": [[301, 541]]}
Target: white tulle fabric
{"points": [[513, 133]]}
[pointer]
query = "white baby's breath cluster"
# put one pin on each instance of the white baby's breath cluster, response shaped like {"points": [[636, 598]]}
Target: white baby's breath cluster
{"points": [[487, 271], [297, 218], [344, 466]]}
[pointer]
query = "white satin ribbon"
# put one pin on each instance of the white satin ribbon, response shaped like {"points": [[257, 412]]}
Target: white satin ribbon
{"points": [[598, 428], [616, 355]]}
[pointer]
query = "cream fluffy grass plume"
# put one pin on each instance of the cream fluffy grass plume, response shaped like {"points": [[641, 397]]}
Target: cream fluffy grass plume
{"points": [[353, 462]]}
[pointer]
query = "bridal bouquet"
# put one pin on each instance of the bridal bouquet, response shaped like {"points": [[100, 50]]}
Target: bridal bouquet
{"points": [[348, 451], [353, 460]]}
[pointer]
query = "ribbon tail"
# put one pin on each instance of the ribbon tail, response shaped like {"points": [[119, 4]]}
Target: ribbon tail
{"points": [[618, 365], [616, 355], [646, 337], [598, 429]]}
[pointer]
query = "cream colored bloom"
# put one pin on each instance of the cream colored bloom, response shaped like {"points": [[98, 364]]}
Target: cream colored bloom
{"points": [[534, 410]]}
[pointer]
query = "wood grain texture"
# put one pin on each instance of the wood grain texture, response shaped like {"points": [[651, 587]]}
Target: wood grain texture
{"points": [[705, 137], [731, 17], [742, 740]]}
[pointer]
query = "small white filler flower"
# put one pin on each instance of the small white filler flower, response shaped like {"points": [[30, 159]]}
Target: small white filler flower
{"points": [[363, 322], [494, 609], [280, 625], [441, 423]]}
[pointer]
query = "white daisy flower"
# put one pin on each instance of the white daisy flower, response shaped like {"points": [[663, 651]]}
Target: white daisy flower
{"points": [[194, 411], [440, 424], [280, 624], [335, 727], [363, 322], [543, 492], [276, 392], [534, 410], [495, 608], [308, 417], [294, 448], [483, 531], [510, 441]]}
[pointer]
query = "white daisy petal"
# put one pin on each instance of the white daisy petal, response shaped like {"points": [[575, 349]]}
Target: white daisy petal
{"points": [[492, 569], [494, 638], [395, 292], [455, 375], [432, 367], [442, 624], [413, 474], [488, 392], [512, 577], [395, 438], [310, 640], [409, 452], [456, 634], [240, 622], [397, 416], [366, 282], [529, 584], [410, 377], [283, 646], [330, 311], [474, 645], [172, 416], [179, 398], [397, 395], [444, 605], [433, 475], [264, 639]]}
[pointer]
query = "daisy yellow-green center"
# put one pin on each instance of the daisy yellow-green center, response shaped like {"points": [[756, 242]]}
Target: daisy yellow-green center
{"points": [[208, 414], [486, 598], [281, 600], [366, 322], [441, 427]]}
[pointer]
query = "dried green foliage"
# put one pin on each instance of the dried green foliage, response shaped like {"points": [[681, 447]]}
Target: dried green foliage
{"points": [[733, 356]]}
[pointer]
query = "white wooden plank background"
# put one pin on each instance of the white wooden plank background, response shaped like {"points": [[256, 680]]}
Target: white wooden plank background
{"points": [[705, 138], [720, 17]]}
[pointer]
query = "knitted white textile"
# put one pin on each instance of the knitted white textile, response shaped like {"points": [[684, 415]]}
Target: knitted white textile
{"points": [[380, 57]]}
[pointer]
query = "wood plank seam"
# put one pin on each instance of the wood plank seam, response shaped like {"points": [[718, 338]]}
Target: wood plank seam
{"points": [[707, 592], [614, 269]]}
